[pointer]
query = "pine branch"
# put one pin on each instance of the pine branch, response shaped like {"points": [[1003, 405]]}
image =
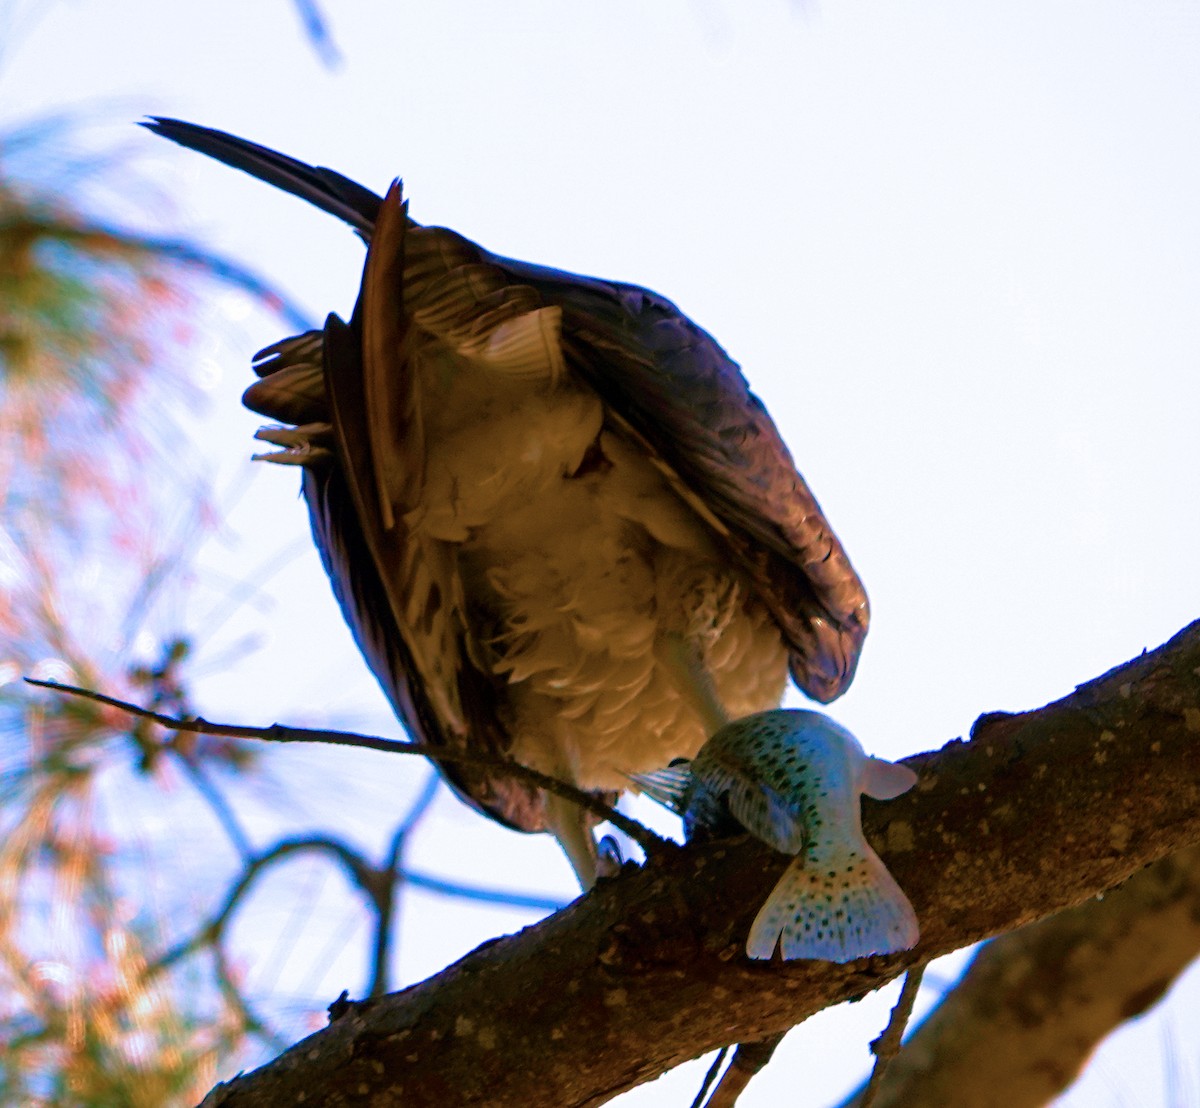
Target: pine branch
{"points": [[1039, 812], [278, 733]]}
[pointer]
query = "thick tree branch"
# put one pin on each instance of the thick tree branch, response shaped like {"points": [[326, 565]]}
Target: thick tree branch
{"points": [[1034, 1004], [1040, 812]]}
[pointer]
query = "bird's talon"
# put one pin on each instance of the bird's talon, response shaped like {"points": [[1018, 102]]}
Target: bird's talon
{"points": [[608, 858]]}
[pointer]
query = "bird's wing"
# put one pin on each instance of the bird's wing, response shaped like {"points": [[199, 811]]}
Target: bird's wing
{"points": [[351, 391], [399, 589], [666, 383], [670, 386]]}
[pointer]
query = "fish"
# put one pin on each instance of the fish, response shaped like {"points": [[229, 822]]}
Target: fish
{"points": [[793, 779]]}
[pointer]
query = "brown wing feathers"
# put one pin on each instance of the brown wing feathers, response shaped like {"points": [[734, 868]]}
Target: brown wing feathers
{"points": [[672, 384], [398, 591], [665, 383]]}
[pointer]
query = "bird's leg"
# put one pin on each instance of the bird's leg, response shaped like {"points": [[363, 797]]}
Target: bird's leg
{"points": [[572, 827], [684, 662], [682, 657]]}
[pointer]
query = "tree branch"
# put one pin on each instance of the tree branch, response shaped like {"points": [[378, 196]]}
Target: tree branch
{"points": [[278, 733], [887, 1046], [1039, 812], [1034, 1004], [97, 239]]}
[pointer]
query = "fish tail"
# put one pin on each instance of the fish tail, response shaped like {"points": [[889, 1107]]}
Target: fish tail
{"points": [[838, 908]]}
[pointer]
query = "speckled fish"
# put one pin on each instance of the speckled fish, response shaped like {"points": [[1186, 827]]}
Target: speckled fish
{"points": [[793, 779]]}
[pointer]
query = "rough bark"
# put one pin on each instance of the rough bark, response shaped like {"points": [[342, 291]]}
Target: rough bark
{"points": [[1038, 813], [1019, 1027]]}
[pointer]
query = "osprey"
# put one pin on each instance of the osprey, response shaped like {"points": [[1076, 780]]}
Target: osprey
{"points": [[558, 523]]}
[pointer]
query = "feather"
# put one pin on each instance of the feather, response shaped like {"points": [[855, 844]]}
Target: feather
{"points": [[325, 188]]}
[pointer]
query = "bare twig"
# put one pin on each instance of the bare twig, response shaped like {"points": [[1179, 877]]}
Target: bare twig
{"points": [[414, 815], [887, 1046], [710, 1077], [457, 889], [391, 877], [316, 30], [643, 836], [748, 1059], [220, 807], [372, 882]]}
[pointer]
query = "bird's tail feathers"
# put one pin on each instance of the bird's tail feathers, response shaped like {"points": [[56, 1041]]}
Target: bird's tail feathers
{"points": [[327, 189], [845, 906]]}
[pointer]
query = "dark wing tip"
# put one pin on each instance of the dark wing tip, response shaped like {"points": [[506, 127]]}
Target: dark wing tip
{"points": [[825, 663], [325, 188], [179, 130]]}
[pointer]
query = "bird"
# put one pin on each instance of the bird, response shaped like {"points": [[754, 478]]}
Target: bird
{"points": [[793, 778], [562, 529]]}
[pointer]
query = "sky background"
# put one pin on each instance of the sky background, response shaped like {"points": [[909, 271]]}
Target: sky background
{"points": [[956, 249]]}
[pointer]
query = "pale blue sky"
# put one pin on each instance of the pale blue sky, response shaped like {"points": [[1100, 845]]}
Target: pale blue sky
{"points": [[955, 247]]}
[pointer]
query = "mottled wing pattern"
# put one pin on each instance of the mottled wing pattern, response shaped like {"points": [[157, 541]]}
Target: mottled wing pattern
{"points": [[670, 386], [399, 590]]}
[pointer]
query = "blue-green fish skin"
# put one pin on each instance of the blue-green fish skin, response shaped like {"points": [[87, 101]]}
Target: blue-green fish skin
{"points": [[794, 778]]}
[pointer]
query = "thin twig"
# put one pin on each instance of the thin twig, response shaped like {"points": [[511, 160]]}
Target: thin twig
{"points": [[748, 1059], [415, 814], [388, 906], [643, 836], [437, 885], [219, 805], [887, 1046], [316, 30], [710, 1077], [370, 881]]}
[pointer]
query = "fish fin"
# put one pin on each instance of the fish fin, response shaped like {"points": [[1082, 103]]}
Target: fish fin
{"points": [[885, 780], [667, 786], [766, 814], [724, 785], [858, 911]]}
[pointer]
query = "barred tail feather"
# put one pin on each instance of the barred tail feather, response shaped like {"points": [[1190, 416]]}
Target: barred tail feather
{"points": [[847, 907]]}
